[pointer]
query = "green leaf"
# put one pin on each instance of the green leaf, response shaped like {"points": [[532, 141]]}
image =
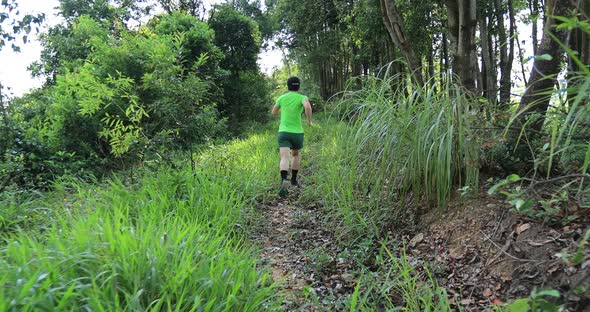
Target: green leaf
{"points": [[520, 305], [544, 57], [513, 178], [509, 179], [547, 292]]}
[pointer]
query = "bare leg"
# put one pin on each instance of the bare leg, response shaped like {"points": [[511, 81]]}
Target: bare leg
{"points": [[296, 164], [284, 165]]}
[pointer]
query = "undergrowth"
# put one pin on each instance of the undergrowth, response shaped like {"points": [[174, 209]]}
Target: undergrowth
{"points": [[172, 240]]}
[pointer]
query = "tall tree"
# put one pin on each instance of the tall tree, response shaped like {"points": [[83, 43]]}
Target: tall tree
{"points": [[192, 7], [488, 69], [534, 13], [245, 90], [506, 45], [462, 28], [238, 36], [547, 63], [395, 26], [580, 38], [579, 42]]}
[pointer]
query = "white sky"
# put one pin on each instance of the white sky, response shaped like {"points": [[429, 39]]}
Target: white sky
{"points": [[13, 66]]}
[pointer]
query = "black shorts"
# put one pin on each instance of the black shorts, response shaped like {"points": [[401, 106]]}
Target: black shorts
{"points": [[291, 140]]}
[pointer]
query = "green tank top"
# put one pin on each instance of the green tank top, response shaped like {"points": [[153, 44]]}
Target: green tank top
{"points": [[291, 105]]}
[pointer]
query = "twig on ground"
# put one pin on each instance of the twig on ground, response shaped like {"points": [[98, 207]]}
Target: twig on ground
{"points": [[509, 255]]}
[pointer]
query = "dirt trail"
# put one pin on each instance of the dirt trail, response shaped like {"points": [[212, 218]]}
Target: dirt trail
{"points": [[303, 255]]}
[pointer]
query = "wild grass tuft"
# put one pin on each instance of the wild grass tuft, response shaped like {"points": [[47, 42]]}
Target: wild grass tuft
{"points": [[410, 139], [171, 241]]}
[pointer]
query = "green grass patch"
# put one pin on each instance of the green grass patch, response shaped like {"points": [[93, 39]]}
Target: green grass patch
{"points": [[172, 240]]}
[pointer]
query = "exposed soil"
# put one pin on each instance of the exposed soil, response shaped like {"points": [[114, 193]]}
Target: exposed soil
{"points": [[484, 254], [303, 256], [478, 250]]}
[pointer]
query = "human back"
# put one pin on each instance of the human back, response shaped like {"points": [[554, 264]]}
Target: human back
{"points": [[291, 106]]}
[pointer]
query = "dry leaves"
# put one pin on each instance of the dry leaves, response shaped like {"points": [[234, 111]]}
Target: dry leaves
{"points": [[521, 228]]}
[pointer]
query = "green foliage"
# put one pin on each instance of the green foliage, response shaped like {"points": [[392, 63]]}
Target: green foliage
{"points": [[197, 41], [434, 129], [579, 254], [551, 208], [537, 302], [246, 92], [265, 19], [117, 94], [238, 37], [560, 152], [103, 10], [129, 91]]}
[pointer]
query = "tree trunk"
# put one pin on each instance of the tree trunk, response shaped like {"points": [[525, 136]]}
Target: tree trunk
{"points": [[579, 39], [534, 8], [489, 67], [544, 74], [579, 42], [462, 25], [395, 28], [4, 112], [506, 53], [431, 53]]}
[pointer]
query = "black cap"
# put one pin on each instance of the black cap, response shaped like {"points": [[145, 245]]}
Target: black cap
{"points": [[293, 83]]}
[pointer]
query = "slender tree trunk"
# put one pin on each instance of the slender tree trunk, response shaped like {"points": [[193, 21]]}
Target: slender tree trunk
{"points": [[521, 58], [395, 28], [462, 25], [445, 53], [431, 53], [357, 65], [579, 39], [4, 112], [544, 74], [506, 53], [579, 42], [489, 68], [534, 8], [512, 33]]}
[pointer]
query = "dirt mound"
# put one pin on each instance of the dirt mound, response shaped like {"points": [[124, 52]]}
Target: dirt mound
{"points": [[484, 254]]}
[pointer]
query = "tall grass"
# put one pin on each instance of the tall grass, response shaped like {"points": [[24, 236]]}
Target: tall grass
{"points": [[171, 241], [413, 139], [567, 148]]}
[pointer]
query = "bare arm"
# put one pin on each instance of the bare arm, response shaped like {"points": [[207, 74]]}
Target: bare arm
{"points": [[275, 110], [308, 111]]}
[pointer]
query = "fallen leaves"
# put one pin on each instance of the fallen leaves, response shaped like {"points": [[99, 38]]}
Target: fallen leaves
{"points": [[521, 228], [416, 240]]}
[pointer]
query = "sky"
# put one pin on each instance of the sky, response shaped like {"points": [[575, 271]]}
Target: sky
{"points": [[14, 73], [13, 65]]}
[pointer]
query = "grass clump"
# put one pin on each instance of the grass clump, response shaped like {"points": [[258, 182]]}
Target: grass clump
{"points": [[409, 139], [170, 241]]}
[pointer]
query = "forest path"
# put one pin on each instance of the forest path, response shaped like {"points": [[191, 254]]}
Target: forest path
{"points": [[304, 257]]}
